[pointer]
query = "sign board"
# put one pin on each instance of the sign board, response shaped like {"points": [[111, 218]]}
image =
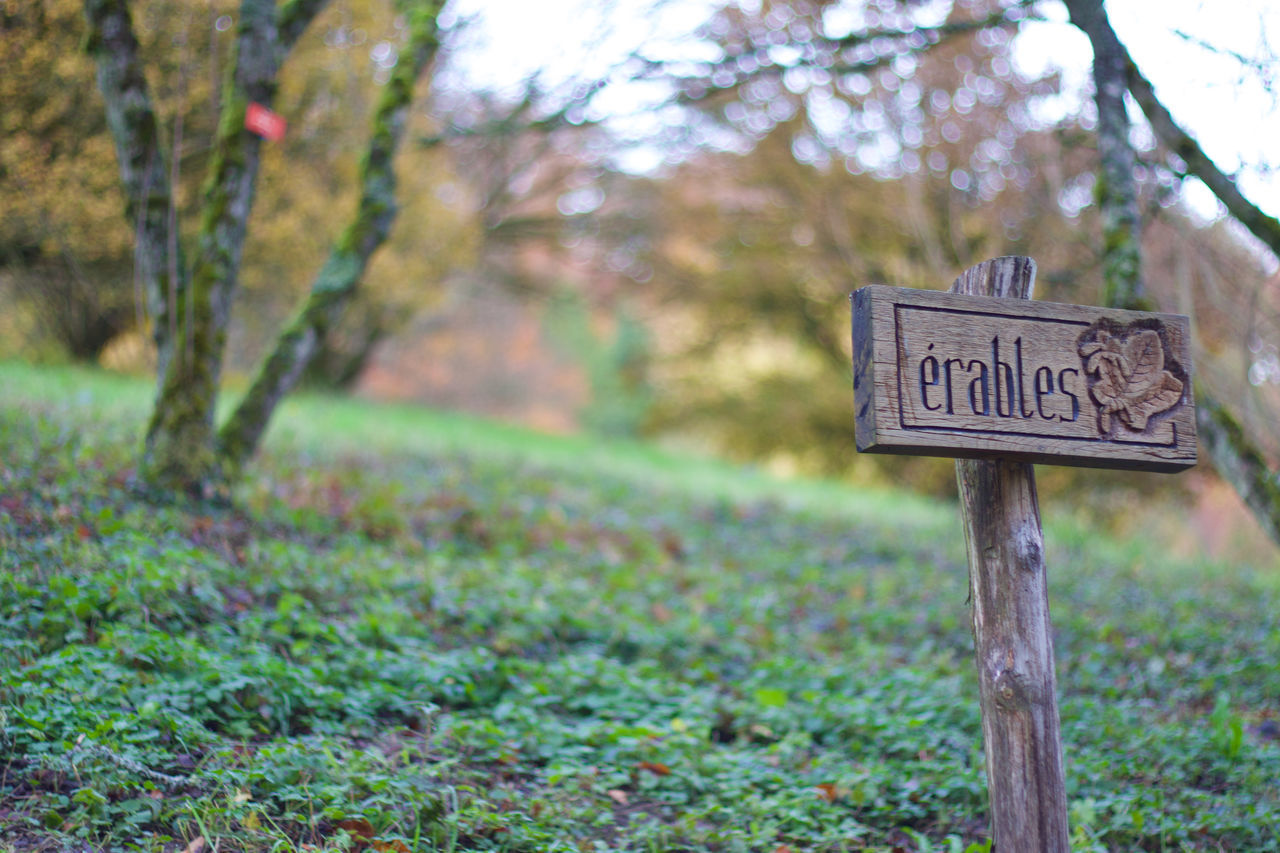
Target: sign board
{"points": [[942, 374]]}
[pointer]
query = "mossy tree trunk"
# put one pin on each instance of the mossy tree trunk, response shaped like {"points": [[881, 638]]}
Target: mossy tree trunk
{"points": [[338, 279], [1237, 459], [179, 451], [144, 167], [1116, 188]]}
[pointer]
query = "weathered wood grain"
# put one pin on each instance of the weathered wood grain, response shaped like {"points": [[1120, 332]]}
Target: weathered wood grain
{"points": [[1012, 637], [952, 374]]}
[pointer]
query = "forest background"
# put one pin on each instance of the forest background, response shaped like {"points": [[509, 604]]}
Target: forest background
{"points": [[675, 267]]}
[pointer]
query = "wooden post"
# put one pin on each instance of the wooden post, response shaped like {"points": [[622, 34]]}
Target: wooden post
{"points": [[986, 375], [1011, 631]]}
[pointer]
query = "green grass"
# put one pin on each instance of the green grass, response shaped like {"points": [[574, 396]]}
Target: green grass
{"points": [[426, 632]]}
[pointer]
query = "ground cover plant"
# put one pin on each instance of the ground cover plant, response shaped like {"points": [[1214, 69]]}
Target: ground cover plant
{"points": [[418, 632]]}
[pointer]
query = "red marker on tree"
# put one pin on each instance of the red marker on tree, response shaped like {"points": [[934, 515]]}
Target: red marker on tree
{"points": [[265, 123]]}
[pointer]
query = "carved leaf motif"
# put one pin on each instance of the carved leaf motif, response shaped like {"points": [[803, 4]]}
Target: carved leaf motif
{"points": [[1144, 356], [1132, 383], [1109, 389], [1152, 400]]}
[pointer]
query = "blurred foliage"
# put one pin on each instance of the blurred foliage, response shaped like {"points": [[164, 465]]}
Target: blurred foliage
{"points": [[616, 364], [64, 248], [863, 160], [903, 172]]}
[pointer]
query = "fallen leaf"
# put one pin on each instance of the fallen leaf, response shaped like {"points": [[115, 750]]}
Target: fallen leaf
{"points": [[827, 791], [618, 796], [654, 767], [196, 846], [391, 846], [357, 828]]}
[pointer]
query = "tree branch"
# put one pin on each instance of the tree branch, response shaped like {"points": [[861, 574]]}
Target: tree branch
{"points": [[1172, 136], [1265, 69], [338, 279], [292, 21], [880, 46]]}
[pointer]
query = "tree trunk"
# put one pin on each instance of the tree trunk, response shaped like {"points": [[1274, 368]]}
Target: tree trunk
{"points": [[144, 168], [338, 364], [338, 279], [179, 453], [1117, 188], [1237, 460], [1011, 632]]}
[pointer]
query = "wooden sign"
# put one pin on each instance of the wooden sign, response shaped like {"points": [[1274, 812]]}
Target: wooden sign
{"points": [[985, 374], [945, 374]]}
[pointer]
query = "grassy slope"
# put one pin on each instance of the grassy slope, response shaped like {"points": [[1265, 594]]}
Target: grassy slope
{"points": [[429, 632]]}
